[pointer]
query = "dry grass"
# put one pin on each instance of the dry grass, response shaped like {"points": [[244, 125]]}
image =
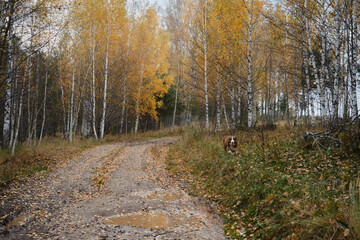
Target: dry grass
{"points": [[165, 132], [278, 187], [55, 150], [28, 160]]}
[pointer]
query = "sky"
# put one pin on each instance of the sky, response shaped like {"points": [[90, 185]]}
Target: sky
{"points": [[161, 3]]}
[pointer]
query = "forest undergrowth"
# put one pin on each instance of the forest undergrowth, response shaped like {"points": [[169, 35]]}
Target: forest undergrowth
{"points": [[278, 186]]}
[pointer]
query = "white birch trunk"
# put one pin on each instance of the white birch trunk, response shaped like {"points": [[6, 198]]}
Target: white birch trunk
{"points": [[36, 101], [29, 105], [7, 107], [86, 115], [19, 111], [249, 74], [313, 63], [232, 94], [218, 103], [123, 107], [138, 99], [296, 110], [323, 73], [191, 93], [29, 137], [176, 101], [14, 88], [64, 110], [207, 126], [44, 106], [335, 97], [354, 58], [225, 113], [93, 102], [102, 124], [239, 97], [71, 114], [85, 102], [85, 128]]}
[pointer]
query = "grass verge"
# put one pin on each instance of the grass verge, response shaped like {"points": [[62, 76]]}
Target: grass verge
{"points": [[53, 151], [277, 187], [29, 160]]}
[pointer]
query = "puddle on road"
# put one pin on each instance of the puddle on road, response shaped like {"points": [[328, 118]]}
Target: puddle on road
{"points": [[156, 220], [19, 221], [166, 197]]}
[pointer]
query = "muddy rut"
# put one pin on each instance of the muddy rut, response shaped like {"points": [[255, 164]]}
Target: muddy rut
{"points": [[115, 191]]}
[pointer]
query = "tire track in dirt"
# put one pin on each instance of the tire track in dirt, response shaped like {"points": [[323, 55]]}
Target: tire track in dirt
{"points": [[139, 200]]}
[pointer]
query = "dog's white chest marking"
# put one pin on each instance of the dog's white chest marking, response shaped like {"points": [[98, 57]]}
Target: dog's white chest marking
{"points": [[232, 142]]}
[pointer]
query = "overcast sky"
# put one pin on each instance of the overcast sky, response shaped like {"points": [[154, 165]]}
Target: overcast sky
{"points": [[161, 3]]}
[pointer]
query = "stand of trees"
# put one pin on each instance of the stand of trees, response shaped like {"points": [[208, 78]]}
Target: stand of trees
{"points": [[91, 67], [258, 60], [82, 68]]}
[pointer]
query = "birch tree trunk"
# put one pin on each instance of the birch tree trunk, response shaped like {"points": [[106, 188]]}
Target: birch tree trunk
{"points": [[30, 116], [176, 101], [14, 89], [86, 126], [239, 97], [102, 125], [93, 102], [138, 99], [296, 110], [86, 102], [323, 73], [44, 105], [7, 107], [313, 63], [335, 97], [191, 93], [232, 93], [225, 113], [354, 58], [123, 107], [249, 77], [29, 137], [218, 102], [71, 109], [36, 100], [310, 94], [64, 110], [207, 126], [19, 111]]}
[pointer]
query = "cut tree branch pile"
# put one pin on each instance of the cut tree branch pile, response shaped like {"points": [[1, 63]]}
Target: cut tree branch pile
{"points": [[332, 134]]}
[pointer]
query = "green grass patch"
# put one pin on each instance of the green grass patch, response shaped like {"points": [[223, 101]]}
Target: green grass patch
{"points": [[277, 187]]}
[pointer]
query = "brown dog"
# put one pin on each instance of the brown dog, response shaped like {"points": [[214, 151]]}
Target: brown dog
{"points": [[230, 144]]}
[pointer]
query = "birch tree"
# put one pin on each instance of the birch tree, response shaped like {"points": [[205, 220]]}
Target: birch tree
{"points": [[249, 68], [93, 97], [205, 9], [8, 96], [354, 58], [102, 125]]}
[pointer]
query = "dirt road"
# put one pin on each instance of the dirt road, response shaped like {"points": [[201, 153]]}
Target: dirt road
{"points": [[117, 191]]}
